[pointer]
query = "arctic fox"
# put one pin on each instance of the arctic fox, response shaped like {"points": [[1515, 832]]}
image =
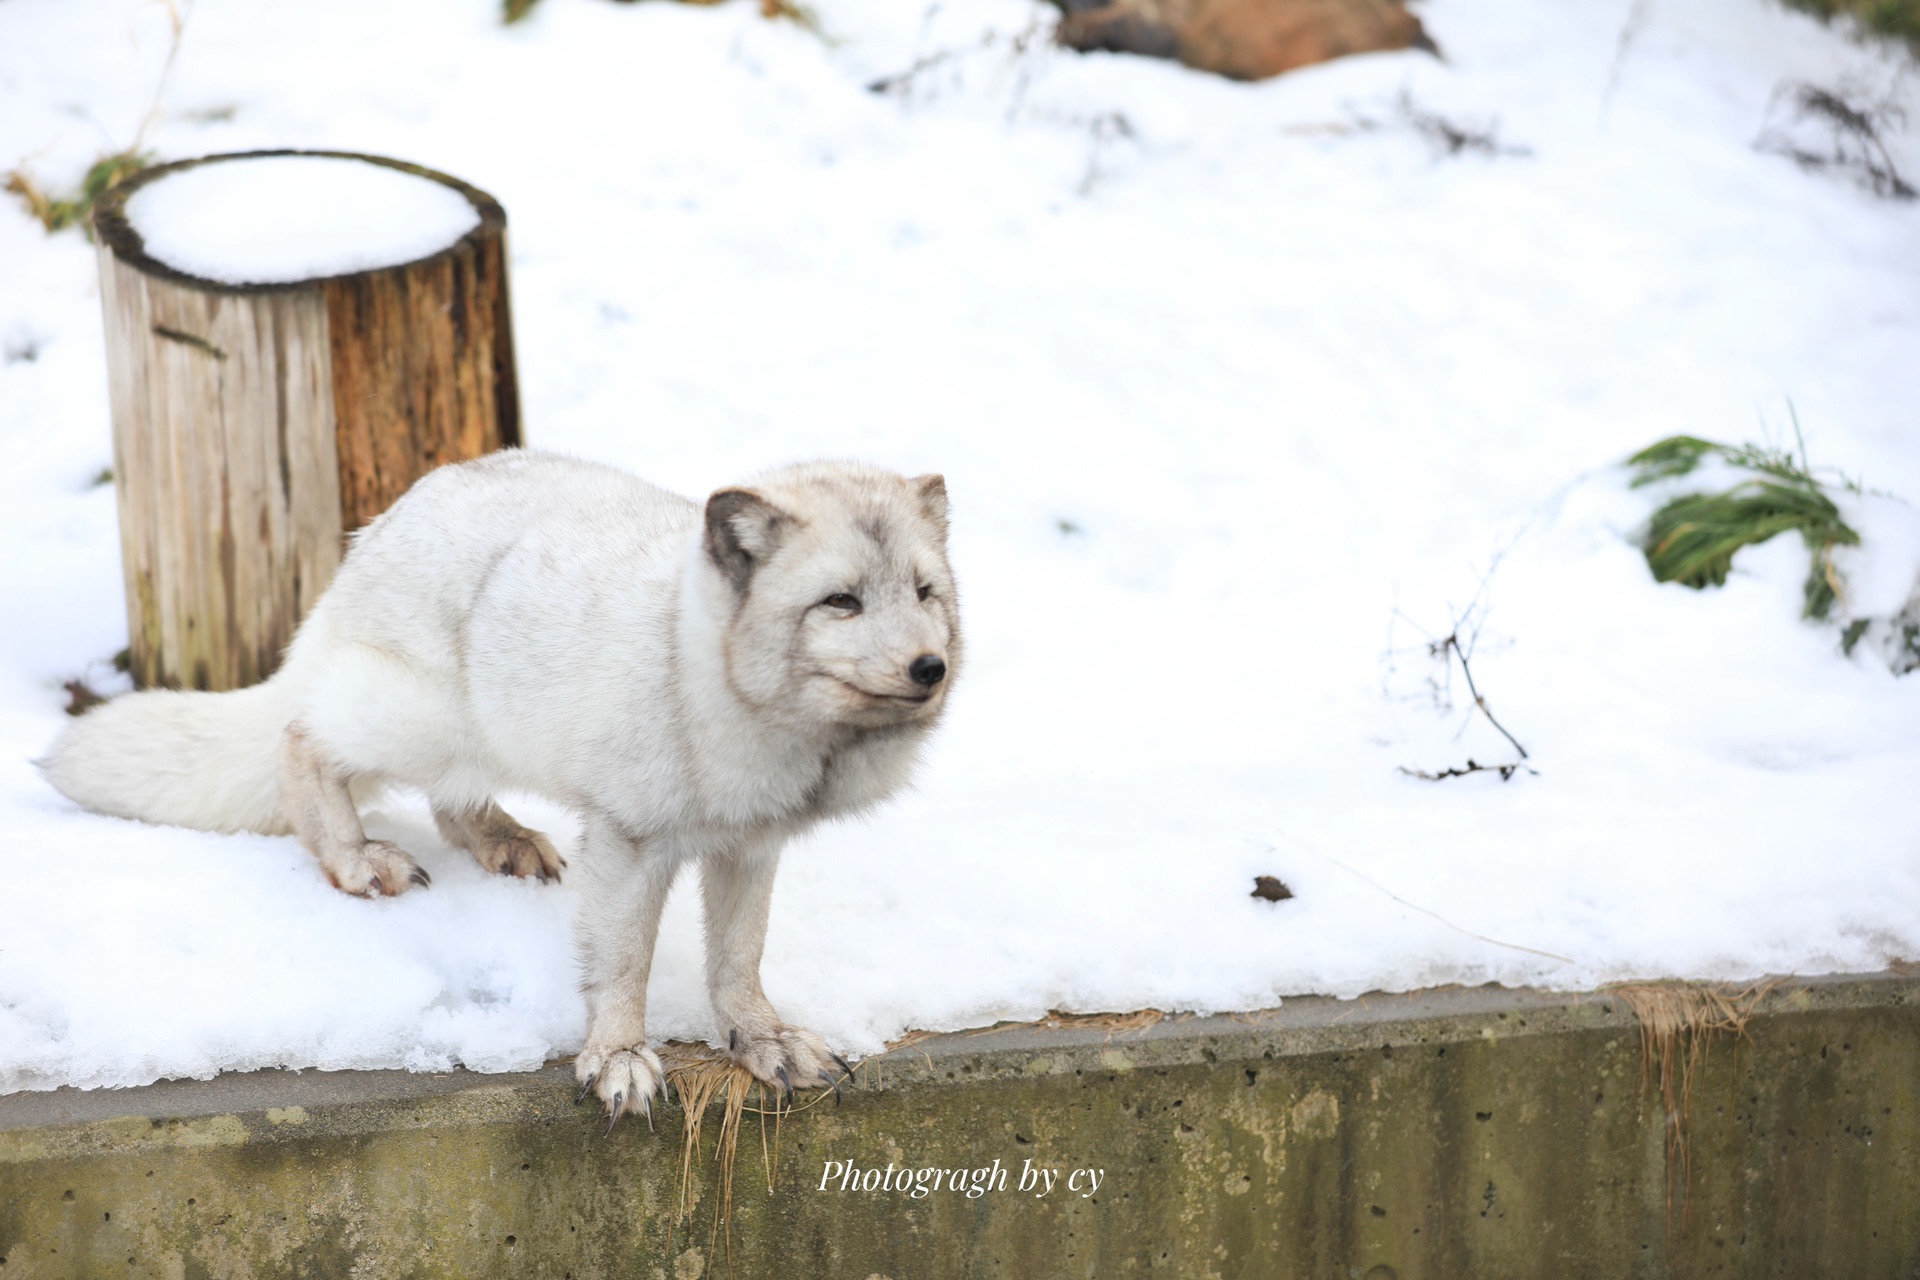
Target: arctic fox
{"points": [[698, 685]]}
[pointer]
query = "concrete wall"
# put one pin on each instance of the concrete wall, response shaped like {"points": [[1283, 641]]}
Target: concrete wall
{"points": [[1478, 1134]]}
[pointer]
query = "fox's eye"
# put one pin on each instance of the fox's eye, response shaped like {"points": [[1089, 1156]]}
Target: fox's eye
{"points": [[841, 600], [926, 589]]}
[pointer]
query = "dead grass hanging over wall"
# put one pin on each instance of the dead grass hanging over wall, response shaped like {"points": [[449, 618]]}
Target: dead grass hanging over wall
{"points": [[1678, 1023]]}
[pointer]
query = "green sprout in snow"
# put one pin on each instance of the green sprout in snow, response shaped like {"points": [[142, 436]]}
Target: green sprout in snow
{"points": [[1692, 538]]}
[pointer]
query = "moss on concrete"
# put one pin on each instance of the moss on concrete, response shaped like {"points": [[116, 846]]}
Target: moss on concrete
{"points": [[1451, 1134]]}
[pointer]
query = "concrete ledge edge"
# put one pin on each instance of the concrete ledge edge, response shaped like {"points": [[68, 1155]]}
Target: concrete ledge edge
{"points": [[278, 1105]]}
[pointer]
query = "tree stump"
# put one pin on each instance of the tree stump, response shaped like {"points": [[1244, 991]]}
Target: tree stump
{"points": [[1241, 39], [257, 421]]}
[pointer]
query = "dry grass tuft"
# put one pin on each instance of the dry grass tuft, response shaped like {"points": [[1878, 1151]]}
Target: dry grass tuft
{"points": [[1112, 1023], [57, 213], [512, 11], [798, 14], [1678, 1020], [700, 1077], [910, 1039]]}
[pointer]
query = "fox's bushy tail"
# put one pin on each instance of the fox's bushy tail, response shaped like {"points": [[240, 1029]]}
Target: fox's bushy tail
{"points": [[204, 760]]}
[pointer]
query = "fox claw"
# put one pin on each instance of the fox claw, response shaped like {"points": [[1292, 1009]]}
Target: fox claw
{"points": [[420, 877], [372, 869], [624, 1079], [785, 1058]]}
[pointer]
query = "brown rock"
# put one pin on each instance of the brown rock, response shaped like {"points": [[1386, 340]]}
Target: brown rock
{"points": [[1241, 39], [1271, 889]]}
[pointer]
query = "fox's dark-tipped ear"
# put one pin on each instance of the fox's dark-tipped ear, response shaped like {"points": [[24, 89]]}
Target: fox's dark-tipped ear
{"points": [[743, 528], [932, 492]]}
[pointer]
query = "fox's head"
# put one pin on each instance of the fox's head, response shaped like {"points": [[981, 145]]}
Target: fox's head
{"points": [[843, 604]]}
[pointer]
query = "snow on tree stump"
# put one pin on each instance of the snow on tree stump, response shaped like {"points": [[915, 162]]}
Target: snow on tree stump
{"points": [[293, 338]]}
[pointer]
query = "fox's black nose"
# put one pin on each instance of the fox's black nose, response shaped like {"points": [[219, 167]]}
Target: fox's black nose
{"points": [[927, 670]]}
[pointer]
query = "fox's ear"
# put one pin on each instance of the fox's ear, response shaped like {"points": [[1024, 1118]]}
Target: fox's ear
{"points": [[932, 492], [743, 528]]}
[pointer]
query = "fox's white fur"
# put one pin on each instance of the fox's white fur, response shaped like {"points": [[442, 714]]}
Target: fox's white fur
{"points": [[698, 685]]}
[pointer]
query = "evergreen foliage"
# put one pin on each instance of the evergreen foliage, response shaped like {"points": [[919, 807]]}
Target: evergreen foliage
{"points": [[1692, 539]]}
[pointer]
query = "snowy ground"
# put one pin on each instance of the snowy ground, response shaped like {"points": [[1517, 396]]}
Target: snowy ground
{"points": [[1236, 387]]}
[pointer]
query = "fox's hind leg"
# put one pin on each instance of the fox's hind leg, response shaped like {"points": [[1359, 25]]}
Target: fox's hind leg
{"points": [[498, 843], [319, 807]]}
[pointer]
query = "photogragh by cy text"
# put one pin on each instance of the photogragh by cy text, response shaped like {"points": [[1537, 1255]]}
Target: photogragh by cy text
{"points": [[1038, 1181]]}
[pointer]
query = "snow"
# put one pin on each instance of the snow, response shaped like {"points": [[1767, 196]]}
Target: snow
{"points": [[279, 219], [1244, 395], [1883, 571]]}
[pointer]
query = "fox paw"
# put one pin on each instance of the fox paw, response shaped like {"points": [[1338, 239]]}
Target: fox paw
{"points": [[623, 1079], [530, 854], [376, 869], [787, 1058]]}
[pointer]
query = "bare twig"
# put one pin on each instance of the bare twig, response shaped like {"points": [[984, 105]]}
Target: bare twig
{"points": [[1102, 128], [1505, 771], [1453, 642], [1452, 136], [177, 18], [56, 213], [903, 80], [1853, 138], [1629, 31], [1447, 648], [1016, 43]]}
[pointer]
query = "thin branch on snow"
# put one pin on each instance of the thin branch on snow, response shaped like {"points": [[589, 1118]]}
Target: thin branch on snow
{"points": [[1454, 645], [1449, 647], [1853, 126], [1100, 130], [1479, 700], [903, 80], [1016, 43], [1473, 766], [1629, 32]]}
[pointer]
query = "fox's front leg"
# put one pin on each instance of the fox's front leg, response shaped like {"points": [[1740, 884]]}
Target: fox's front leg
{"points": [[626, 887], [738, 890]]}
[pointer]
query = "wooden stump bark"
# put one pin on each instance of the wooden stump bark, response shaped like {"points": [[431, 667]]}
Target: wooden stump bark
{"points": [[1241, 39], [255, 426]]}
